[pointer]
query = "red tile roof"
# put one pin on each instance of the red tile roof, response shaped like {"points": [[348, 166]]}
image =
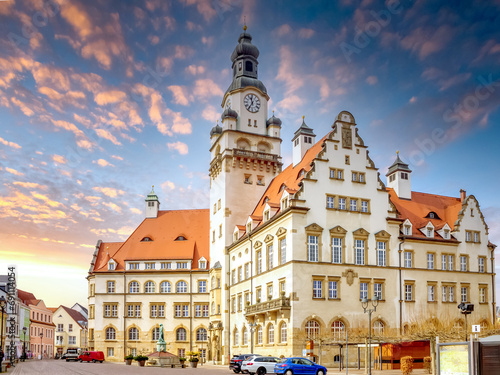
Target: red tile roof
{"points": [[421, 204], [76, 316], [193, 225], [27, 297]]}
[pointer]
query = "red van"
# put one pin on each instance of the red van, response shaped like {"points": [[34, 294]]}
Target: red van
{"points": [[91, 356]]}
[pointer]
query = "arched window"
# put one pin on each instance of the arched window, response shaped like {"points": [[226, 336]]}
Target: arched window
{"points": [[133, 334], [180, 238], [149, 287], [378, 327], [236, 337], [156, 334], [133, 287], [180, 334], [259, 335], [312, 329], [283, 332], [338, 330], [201, 334], [270, 334], [248, 66], [110, 333], [484, 325], [182, 287], [165, 287], [245, 336]]}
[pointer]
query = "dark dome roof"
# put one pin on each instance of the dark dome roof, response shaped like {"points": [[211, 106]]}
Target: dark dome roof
{"points": [[215, 130], [245, 47], [273, 121], [229, 112], [240, 82]]}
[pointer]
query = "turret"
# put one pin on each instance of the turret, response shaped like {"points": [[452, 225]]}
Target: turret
{"points": [[152, 205], [303, 140], [399, 178]]}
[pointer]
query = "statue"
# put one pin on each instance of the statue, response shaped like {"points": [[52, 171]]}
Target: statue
{"points": [[161, 345]]}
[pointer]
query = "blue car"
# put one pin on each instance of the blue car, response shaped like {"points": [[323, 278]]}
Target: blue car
{"points": [[298, 366]]}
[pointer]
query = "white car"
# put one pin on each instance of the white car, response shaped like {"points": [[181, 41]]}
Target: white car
{"points": [[259, 365]]}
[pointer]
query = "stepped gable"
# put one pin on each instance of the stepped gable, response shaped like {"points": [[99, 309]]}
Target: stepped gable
{"points": [[421, 204], [174, 234], [291, 177]]}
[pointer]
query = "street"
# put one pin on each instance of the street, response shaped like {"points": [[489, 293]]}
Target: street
{"points": [[57, 367]]}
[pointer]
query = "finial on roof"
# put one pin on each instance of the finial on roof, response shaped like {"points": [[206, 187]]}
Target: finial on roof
{"points": [[245, 28], [397, 152], [303, 117], [273, 112]]}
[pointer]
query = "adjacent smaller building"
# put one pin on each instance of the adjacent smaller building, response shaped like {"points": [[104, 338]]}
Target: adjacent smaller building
{"points": [[71, 329]]}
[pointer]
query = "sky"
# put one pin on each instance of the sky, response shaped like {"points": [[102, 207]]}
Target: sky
{"points": [[100, 100]]}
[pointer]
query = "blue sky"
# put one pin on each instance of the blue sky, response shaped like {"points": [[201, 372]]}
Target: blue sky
{"points": [[101, 100]]}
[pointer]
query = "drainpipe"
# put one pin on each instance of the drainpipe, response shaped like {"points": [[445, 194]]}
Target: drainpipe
{"points": [[124, 313], [400, 289]]}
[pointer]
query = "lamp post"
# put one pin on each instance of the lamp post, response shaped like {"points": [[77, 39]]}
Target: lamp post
{"points": [[364, 304], [24, 343], [3, 303], [252, 329], [41, 345]]}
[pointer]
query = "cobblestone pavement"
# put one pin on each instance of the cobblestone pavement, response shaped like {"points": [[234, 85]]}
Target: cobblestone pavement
{"points": [[58, 367]]}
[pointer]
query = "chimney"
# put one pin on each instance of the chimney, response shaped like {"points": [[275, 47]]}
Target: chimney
{"points": [[463, 194]]}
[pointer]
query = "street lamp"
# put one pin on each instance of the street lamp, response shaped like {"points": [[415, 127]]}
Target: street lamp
{"points": [[364, 304], [252, 329], [466, 309], [3, 303], [24, 343], [41, 345]]}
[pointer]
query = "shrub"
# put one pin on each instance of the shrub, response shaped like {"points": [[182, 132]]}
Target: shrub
{"points": [[141, 358], [130, 356], [406, 365]]}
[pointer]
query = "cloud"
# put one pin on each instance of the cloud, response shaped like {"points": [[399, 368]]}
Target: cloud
{"points": [[291, 104], [136, 211], [23, 107], [204, 7], [180, 95], [183, 52], [180, 124], [371, 80], [168, 185], [426, 41], [116, 157], [103, 163], [108, 97], [194, 69], [13, 171], [207, 40], [306, 33], [30, 185], [206, 88], [154, 39], [180, 147], [10, 144], [59, 159], [110, 192], [413, 99], [113, 206], [107, 135], [210, 114], [286, 72], [283, 30]]}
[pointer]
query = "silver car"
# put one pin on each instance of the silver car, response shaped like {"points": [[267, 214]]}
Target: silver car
{"points": [[259, 365]]}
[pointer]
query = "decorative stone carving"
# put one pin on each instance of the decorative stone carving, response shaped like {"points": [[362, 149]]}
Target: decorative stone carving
{"points": [[349, 274]]}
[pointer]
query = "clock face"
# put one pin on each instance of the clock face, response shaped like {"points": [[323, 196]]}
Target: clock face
{"points": [[252, 103]]}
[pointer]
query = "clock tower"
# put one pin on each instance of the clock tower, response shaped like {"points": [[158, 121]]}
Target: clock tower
{"points": [[245, 156]]}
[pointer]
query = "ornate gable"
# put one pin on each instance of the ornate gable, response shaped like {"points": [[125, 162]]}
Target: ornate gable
{"points": [[338, 230], [313, 228]]}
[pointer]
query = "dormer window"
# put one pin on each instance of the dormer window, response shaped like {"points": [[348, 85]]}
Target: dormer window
{"points": [[249, 227], [284, 204], [282, 187], [266, 199], [111, 266], [202, 264], [146, 239], [235, 236], [429, 230], [432, 215], [302, 172], [407, 228], [181, 238], [404, 175], [446, 234]]}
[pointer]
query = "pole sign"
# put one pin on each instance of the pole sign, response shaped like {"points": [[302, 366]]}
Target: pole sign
{"points": [[476, 328]]}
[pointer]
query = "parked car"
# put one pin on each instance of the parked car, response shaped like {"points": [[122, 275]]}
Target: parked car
{"points": [[259, 365], [298, 366], [91, 356], [71, 355], [235, 363]]}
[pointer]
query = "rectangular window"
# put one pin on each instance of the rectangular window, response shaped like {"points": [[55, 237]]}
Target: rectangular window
{"points": [[282, 243], [107, 311], [377, 291], [259, 263], [481, 263], [430, 293], [317, 289], [60, 327], [336, 250], [364, 206], [111, 286], [137, 311], [154, 311], [450, 263], [202, 286], [463, 263], [451, 294], [240, 303], [111, 352], [114, 311], [463, 294], [430, 261], [270, 257], [482, 295], [408, 259], [312, 249], [166, 265], [185, 310], [443, 262], [337, 174], [468, 236], [361, 177], [150, 266], [381, 254], [133, 266], [240, 273], [130, 311], [476, 236], [197, 311], [354, 176], [205, 311], [330, 202], [332, 290], [359, 251], [341, 203], [247, 271], [354, 205], [233, 305], [233, 277], [363, 290], [161, 311], [444, 294], [408, 292], [177, 310], [71, 340]]}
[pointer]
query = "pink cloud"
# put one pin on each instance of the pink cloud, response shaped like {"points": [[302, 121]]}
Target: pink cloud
{"points": [[14, 171], [109, 192], [286, 71], [59, 159], [284, 29], [194, 70], [306, 33], [109, 97], [103, 163], [180, 125], [210, 114], [10, 144], [204, 7], [107, 135], [426, 41], [204, 88], [180, 147], [371, 80], [180, 95]]}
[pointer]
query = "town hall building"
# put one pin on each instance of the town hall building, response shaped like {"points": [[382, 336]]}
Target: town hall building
{"points": [[286, 254]]}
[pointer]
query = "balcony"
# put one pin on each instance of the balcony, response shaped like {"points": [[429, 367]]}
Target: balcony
{"points": [[275, 305], [255, 155]]}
